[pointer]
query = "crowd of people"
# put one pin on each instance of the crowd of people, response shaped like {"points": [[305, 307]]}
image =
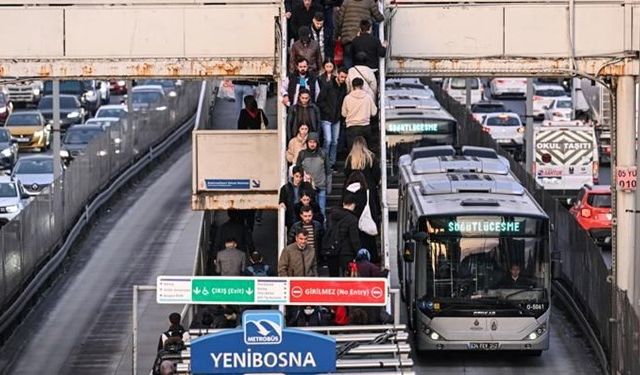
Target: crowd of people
{"points": [[330, 93]]}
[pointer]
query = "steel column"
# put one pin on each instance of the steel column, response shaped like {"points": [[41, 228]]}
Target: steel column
{"points": [[625, 156], [57, 164], [528, 135]]}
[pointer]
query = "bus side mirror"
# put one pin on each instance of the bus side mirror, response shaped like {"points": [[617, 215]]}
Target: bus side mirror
{"points": [[409, 252]]}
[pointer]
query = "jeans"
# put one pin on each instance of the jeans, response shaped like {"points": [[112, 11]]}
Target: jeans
{"points": [[322, 200], [331, 133], [241, 91]]}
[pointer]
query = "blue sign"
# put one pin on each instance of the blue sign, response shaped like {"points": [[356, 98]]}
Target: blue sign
{"points": [[227, 184], [263, 345]]}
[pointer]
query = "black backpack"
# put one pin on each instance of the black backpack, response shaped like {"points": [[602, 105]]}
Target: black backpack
{"points": [[331, 241]]}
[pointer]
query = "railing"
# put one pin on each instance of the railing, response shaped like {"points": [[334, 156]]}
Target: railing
{"points": [[30, 240]]}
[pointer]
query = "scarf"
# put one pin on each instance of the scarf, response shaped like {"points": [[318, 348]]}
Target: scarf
{"points": [[318, 35]]}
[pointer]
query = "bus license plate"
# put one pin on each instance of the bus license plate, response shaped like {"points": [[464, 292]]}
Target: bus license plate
{"points": [[484, 346]]}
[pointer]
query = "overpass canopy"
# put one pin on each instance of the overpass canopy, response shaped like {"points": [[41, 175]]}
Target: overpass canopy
{"points": [[136, 38], [444, 38]]}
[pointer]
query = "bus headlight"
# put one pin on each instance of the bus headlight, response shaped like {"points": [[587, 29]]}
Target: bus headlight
{"points": [[433, 335], [537, 333]]}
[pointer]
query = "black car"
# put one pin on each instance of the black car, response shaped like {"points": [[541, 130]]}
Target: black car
{"points": [[8, 149], [77, 139], [71, 111], [87, 92]]}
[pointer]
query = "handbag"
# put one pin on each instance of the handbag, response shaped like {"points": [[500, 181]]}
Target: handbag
{"points": [[262, 125], [338, 54], [366, 223]]}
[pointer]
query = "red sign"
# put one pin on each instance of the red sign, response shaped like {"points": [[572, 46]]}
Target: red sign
{"points": [[338, 291], [626, 178]]}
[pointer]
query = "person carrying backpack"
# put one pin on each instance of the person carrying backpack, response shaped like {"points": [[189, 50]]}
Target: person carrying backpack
{"points": [[342, 240], [176, 332], [257, 267]]}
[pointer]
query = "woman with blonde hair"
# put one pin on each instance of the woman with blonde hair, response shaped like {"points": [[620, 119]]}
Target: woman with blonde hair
{"points": [[364, 160]]}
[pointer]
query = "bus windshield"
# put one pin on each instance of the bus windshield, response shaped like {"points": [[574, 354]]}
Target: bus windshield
{"points": [[500, 261]]}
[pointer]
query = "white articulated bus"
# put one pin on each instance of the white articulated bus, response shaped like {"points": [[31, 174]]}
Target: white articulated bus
{"points": [[473, 253]]}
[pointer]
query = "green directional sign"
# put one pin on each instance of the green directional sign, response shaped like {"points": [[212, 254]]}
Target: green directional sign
{"points": [[223, 290]]}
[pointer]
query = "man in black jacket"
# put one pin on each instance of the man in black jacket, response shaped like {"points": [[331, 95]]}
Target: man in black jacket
{"points": [[301, 78], [291, 192], [330, 103], [302, 15], [303, 112], [348, 234], [369, 44], [320, 34]]}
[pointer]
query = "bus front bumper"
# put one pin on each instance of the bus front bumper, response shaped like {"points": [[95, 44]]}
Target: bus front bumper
{"points": [[541, 343]]}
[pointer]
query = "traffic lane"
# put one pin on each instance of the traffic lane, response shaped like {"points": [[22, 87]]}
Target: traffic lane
{"points": [[83, 323], [604, 177], [568, 353]]}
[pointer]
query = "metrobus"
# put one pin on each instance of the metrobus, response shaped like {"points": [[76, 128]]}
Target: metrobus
{"points": [[473, 253], [412, 122]]}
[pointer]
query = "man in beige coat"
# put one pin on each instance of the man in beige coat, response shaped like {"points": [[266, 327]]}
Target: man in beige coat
{"points": [[298, 259], [357, 108]]}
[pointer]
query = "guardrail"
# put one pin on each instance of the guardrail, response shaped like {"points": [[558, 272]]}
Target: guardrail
{"points": [[35, 243], [581, 269]]}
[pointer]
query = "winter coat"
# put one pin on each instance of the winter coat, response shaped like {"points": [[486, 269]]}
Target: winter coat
{"points": [[314, 163], [294, 262], [358, 108], [230, 262], [246, 122], [298, 114], [291, 86], [310, 51], [317, 232], [330, 100], [372, 176], [301, 16], [287, 197], [370, 45], [348, 233], [368, 269], [324, 40], [351, 13], [294, 147], [367, 75], [315, 207]]}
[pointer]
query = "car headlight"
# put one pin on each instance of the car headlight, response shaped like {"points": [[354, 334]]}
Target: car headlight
{"points": [[173, 94], [64, 153], [73, 114], [6, 152], [117, 141], [12, 209], [162, 108], [537, 333], [102, 153], [521, 129], [36, 91], [38, 134], [3, 109]]}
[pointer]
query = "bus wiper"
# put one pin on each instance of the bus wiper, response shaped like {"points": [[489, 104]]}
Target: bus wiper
{"points": [[524, 290]]}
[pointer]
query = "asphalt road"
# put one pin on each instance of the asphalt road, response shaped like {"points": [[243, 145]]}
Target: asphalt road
{"points": [[82, 325]]}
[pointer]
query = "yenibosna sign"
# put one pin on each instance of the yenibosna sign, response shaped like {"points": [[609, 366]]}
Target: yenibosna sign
{"points": [[263, 345]]}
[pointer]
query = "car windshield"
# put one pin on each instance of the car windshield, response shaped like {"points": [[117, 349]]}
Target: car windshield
{"points": [[72, 86], [88, 85], [5, 135], [101, 122], [23, 119], [563, 104], [111, 112], [39, 166], [550, 92], [65, 102], [146, 97], [162, 82], [599, 200], [488, 108], [78, 136], [460, 84], [8, 190], [503, 121]]}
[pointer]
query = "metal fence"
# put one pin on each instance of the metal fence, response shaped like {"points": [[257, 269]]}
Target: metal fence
{"points": [[582, 269], [30, 239]]}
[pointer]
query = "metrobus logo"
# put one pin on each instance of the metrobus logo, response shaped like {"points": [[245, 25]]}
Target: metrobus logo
{"points": [[262, 328]]}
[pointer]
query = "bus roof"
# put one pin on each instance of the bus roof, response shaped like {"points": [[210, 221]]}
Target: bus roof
{"points": [[418, 113], [442, 159]]}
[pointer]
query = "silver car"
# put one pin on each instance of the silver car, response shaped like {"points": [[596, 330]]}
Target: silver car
{"points": [[34, 172], [13, 199]]}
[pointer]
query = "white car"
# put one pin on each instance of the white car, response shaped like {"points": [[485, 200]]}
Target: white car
{"points": [[508, 86], [112, 110], [148, 97], [543, 95], [507, 129], [484, 107], [13, 199], [559, 110], [456, 87]]}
